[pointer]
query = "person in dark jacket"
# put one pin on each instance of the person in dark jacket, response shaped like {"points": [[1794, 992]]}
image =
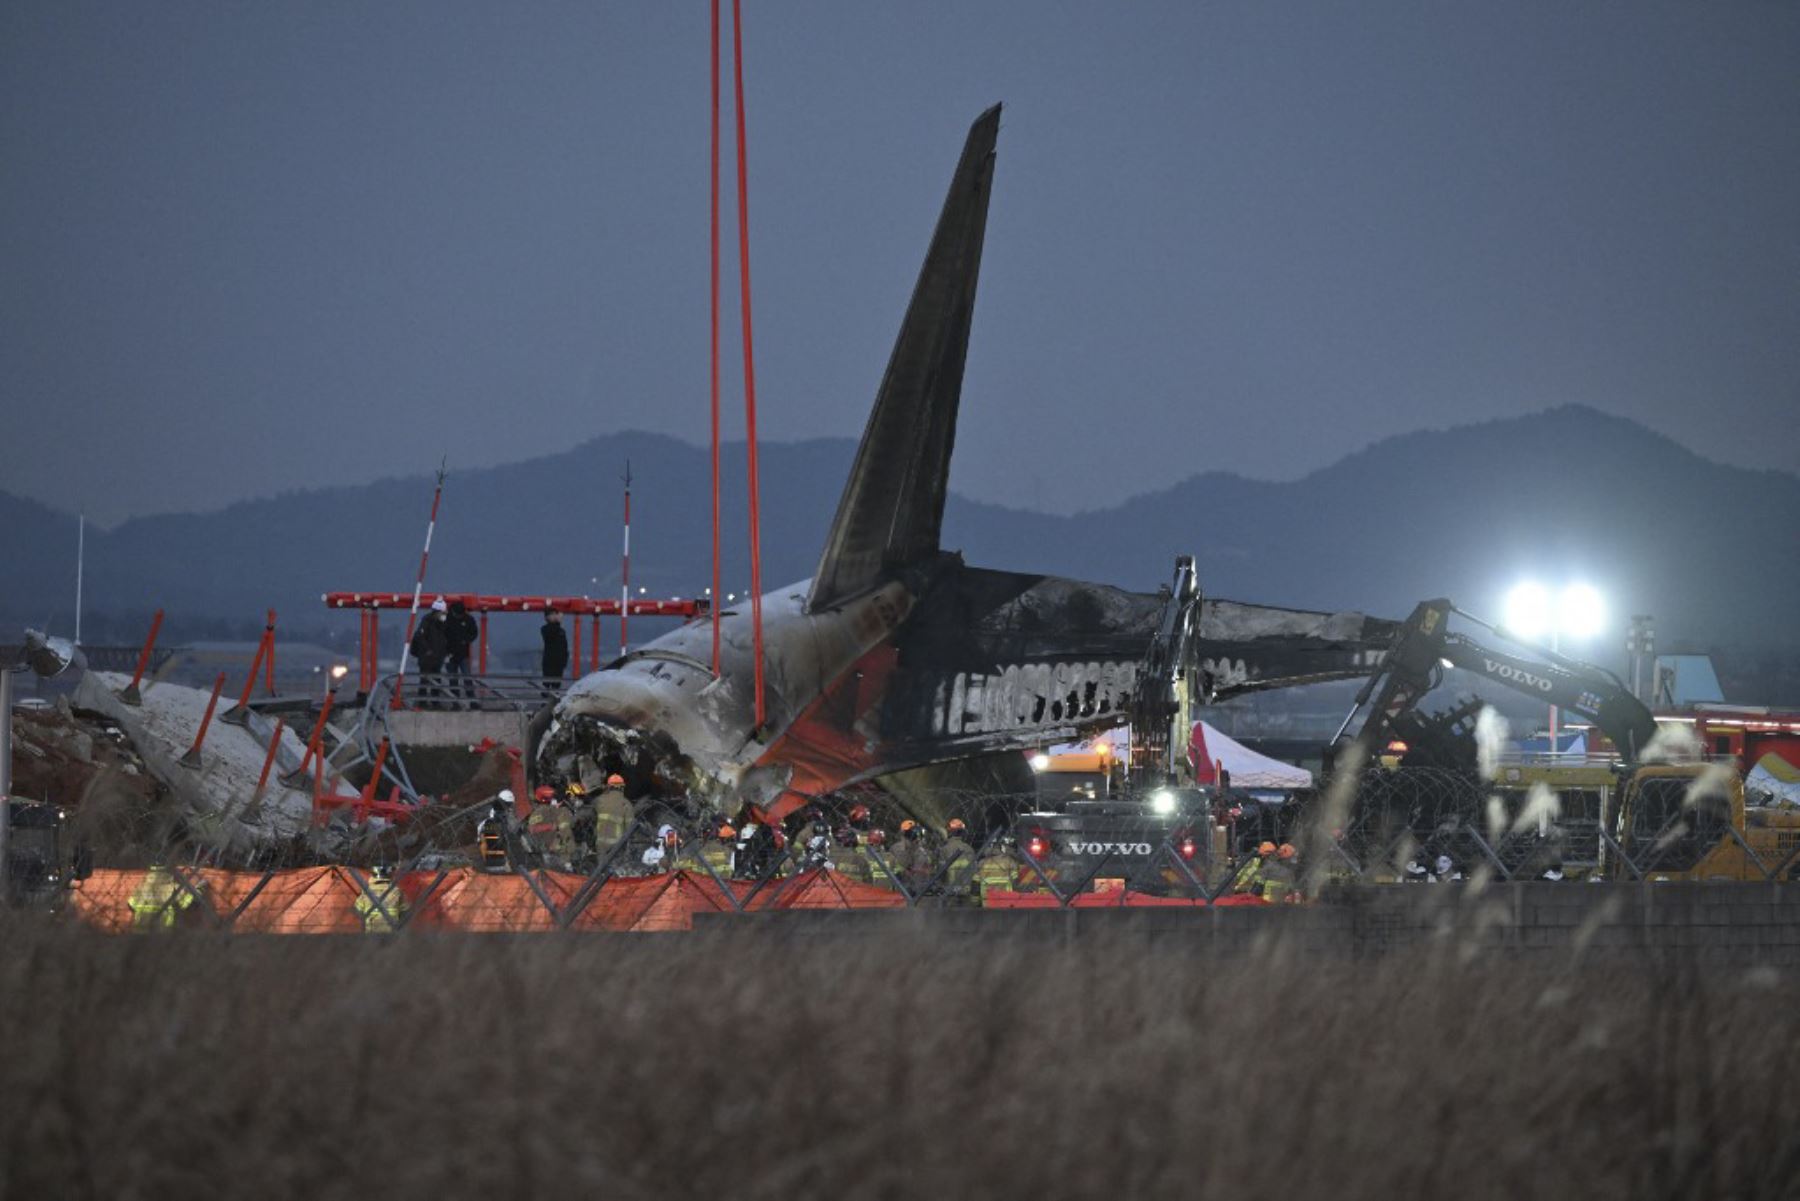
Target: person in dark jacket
{"points": [[556, 648], [429, 644], [460, 634]]}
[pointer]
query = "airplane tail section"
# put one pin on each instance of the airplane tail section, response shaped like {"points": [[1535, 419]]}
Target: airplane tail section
{"points": [[893, 503]]}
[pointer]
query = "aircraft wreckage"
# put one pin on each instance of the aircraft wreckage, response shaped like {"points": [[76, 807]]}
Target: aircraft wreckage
{"points": [[897, 655]]}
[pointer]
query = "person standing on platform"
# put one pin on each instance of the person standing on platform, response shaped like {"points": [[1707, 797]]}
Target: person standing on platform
{"points": [[556, 649], [429, 644], [460, 635]]}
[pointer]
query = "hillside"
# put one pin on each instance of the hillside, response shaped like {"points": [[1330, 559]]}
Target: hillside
{"points": [[1708, 548]]}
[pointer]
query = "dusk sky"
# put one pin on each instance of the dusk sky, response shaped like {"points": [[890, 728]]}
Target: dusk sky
{"points": [[248, 248]]}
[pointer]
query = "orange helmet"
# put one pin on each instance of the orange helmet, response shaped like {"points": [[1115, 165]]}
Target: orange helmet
{"points": [[956, 825], [1266, 849], [726, 833], [907, 825], [544, 792], [615, 781], [1287, 850]]}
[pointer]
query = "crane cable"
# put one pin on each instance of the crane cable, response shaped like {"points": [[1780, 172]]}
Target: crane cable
{"points": [[743, 198]]}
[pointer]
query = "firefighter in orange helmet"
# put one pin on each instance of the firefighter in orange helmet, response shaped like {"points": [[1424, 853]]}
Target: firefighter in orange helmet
{"points": [[1249, 878]]}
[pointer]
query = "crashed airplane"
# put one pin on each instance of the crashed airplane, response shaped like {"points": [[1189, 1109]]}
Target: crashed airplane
{"points": [[897, 656]]}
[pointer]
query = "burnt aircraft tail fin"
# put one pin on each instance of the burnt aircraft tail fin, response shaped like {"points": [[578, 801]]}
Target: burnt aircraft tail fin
{"points": [[893, 504]]}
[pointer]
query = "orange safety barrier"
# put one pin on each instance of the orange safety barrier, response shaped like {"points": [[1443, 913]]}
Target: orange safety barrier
{"points": [[323, 900], [823, 889], [653, 903], [101, 899], [477, 902]]}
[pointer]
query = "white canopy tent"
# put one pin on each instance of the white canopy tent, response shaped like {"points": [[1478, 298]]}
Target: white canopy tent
{"points": [[1210, 750]]}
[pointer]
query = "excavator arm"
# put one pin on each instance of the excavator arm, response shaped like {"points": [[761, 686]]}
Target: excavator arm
{"points": [[1425, 644], [1167, 682]]}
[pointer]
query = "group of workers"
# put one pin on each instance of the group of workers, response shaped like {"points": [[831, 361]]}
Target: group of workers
{"points": [[568, 829], [441, 647], [1273, 873]]}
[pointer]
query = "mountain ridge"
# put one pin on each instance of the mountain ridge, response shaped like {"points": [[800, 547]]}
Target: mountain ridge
{"points": [[1461, 511]]}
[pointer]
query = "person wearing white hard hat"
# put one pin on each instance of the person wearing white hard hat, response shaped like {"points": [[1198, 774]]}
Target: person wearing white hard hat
{"points": [[659, 857], [490, 833], [430, 642]]}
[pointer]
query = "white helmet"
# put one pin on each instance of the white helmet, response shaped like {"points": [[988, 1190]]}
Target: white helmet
{"points": [[506, 794]]}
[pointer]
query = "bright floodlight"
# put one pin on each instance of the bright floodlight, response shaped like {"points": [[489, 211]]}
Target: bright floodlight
{"points": [[339, 670], [1040, 761], [1528, 612], [1162, 802], [1580, 612]]}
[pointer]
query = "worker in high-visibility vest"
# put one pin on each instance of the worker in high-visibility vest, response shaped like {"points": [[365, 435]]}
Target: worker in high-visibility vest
{"points": [[383, 918], [613, 815], [881, 866], [955, 859], [997, 870], [716, 851], [490, 833], [550, 829], [158, 900], [1249, 878], [847, 858], [1280, 877]]}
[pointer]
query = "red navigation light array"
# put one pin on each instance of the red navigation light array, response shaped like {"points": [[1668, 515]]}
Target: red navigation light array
{"points": [[370, 604], [608, 607]]}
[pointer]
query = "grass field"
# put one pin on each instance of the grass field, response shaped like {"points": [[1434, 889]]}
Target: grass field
{"points": [[741, 1064]]}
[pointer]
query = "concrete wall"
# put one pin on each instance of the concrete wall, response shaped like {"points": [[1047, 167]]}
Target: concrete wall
{"points": [[1723, 924]]}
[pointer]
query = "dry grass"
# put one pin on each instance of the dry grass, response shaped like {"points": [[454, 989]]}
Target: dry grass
{"points": [[745, 1065]]}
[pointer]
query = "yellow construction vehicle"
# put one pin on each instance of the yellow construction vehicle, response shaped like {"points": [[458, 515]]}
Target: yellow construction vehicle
{"points": [[1688, 821]]}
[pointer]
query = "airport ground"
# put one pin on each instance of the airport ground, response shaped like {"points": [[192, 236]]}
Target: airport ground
{"points": [[836, 1059]]}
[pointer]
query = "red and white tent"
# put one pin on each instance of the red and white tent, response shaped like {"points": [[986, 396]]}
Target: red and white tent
{"points": [[1208, 750]]}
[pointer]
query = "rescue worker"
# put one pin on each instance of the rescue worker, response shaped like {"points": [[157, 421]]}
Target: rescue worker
{"points": [[848, 858], [550, 828], [1249, 878], [912, 858], [490, 832], [555, 659], [859, 818], [1280, 877], [660, 856], [956, 859], [997, 870], [158, 900], [460, 634], [613, 815], [429, 644], [383, 918], [1444, 870], [816, 843], [717, 851], [881, 864], [581, 814]]}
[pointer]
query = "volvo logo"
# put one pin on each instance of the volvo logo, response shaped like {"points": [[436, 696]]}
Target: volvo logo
{"points": [[1116, 848], [1516, 675]]}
